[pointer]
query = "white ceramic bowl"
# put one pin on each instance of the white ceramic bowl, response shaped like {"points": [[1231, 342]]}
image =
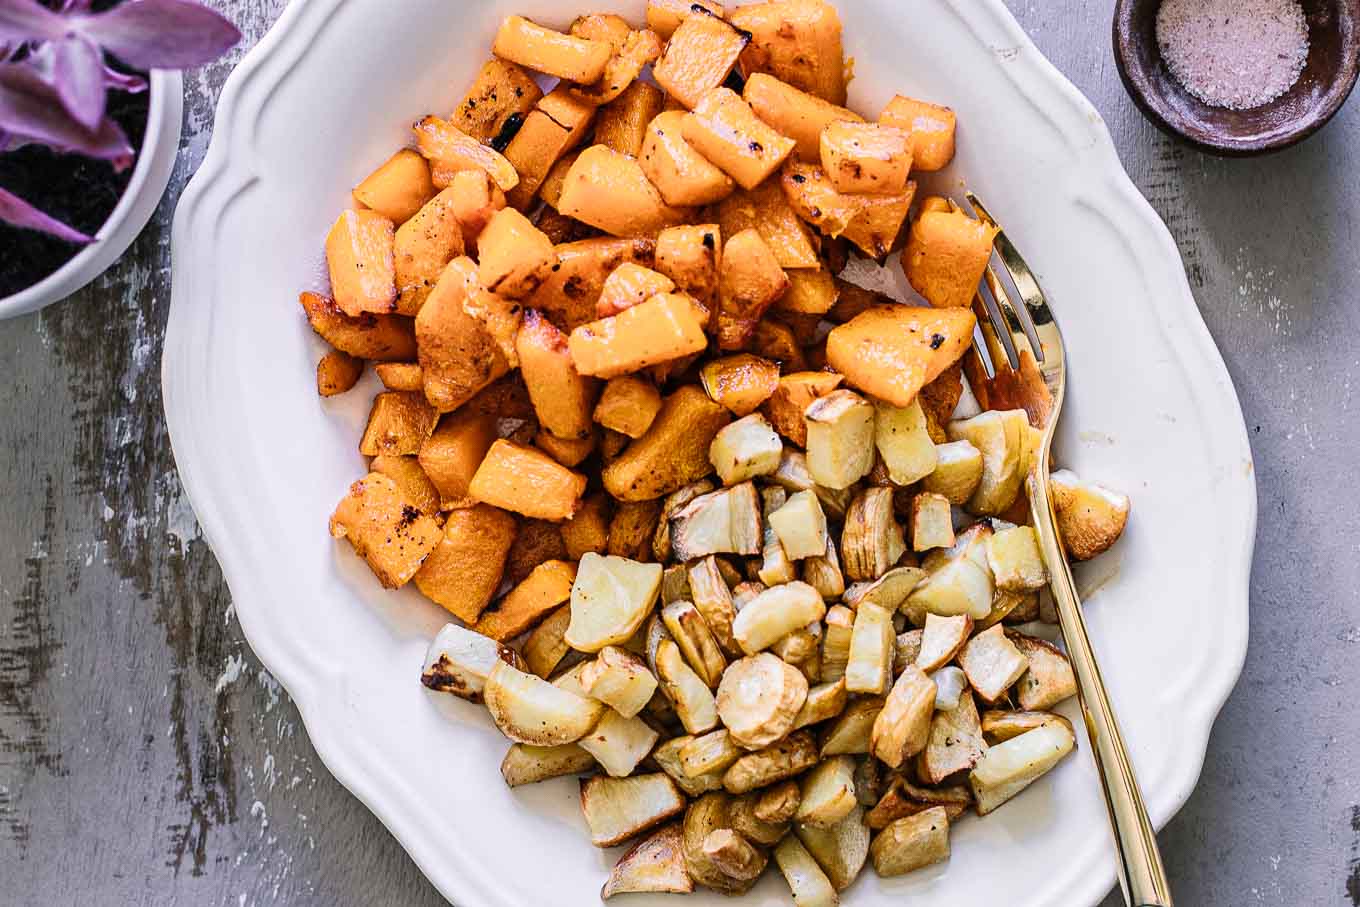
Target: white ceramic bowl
{"points": [[1151, 411], [150, 175]]}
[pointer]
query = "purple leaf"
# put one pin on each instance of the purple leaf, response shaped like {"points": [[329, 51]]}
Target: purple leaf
{"points": [[22, 21], [159, 34], [14, 210], [78, 72], [31, 109]]}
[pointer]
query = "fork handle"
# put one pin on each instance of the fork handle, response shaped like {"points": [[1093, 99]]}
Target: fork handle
{"points": [[1141, 874]]}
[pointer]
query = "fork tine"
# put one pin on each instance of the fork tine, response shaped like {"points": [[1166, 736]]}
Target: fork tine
{"points": [[1020, 339], [1034, 311]]}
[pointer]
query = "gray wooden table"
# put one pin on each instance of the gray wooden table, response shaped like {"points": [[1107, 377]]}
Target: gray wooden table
{"points": [[147, 758]]}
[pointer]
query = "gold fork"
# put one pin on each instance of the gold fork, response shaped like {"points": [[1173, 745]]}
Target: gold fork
{"points": [[1020, 363]]}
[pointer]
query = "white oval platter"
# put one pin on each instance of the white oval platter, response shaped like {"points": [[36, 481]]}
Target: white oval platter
{"points": [[329, 93]]}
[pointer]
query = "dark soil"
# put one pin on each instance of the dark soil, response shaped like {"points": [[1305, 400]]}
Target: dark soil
{"points": [[74, 189]]}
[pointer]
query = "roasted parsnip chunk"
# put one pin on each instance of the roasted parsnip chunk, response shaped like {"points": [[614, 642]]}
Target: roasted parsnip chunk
{"points": [[706, 815], [693, 700], [840, 626], [775, 565], [808, 884], [851, 732], [869, 669], [801, 526], [950, 685], [696, 641], [1015, 561], [667, 755], [734, 855], [997, 436], [656, 863], [526, 764], [661, 542], [1049, 678], [616, 809], [999, 726], [745, 449], [610, 599], [931, 522], [912, 843], [775, 613], [828, 792], [955, 743], [888, 591], [992, 662], [872, 541], [903, 727], [619, 679], [759, 698], [546, 646], [823, 573], [942, 639], [721, 522], [619, 743], [709, 754], [1009, 767], [779, 802], [793, 475], [776, 762], [742, 816], [959, 586], [1090, 517], [459, 660], [841, 849], [958, 470], [530, 710], [840, 438], [903, 441]]}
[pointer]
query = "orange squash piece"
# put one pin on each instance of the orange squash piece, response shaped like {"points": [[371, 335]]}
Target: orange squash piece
{"points": [[451, 455], [360, 259], [622, 123], [398, 188], [540, 593], [588, 530], [609, 190], [740, 382], [931, 129], [665, 16], [527, 481], [673, 452], [549, 132], [571, 291], [536, 542], [385, 529], [871, 222], [628, 285], [628, 405], [379, 338], [682, 175], [812, 292], [791, 398], [663, 328], [767, 209], [891, 352], [796, 114], [501, 93], [723, 128], [751, 281], [337, 372], [866, 157], [400, 376], [424, 246], [946, 255], [514, 256], [474, 199], [799, 41], [544, 50], [450, 149], [632, 51], [563, 398], [411, 479], [698, 57], [457, 356], [570, 452], [464, 570], [398, 424], [691, 256]]}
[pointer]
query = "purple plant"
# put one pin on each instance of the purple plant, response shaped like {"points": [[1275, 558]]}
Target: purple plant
{"points": [[54, 81]]}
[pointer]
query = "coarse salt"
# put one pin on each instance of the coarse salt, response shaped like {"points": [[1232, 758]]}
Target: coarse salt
{"points": [[1237, 54]]}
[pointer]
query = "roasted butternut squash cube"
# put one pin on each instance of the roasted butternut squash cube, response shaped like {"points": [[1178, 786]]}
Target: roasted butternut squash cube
{"points": [[852, 299], [385, 529], [665, 16], [570, 293], [632, 528], [682, 175], [751, 281], [723, 128], [795, 113], [567, 451], [562, 229], [500, 318], [673, 452], [398, 424], [768, 210], [450, 149], [570, 112], [608, 190], [411, 479], [607, 27], [588, 529], [563, 398], [378, 338], [474, 198], [628, 405], [621, 125], [791, 398], [812, 292], [798, 41], [663, 328], [628, 285], [337, 372], [398, 188], [451, 455], [536, 148], [777, 342], [740, 382], [930, 126], [871, 222], [424, 246], [360, 259], [866, 157], [502, 93], [690, 256], [527, 481], [536, 596], [891, 352], [632, 52], [945, 257], [514, 256], [457, 356], [874, 232], [536, 542], [544, 50], [551, 189], [698, 57], [464, 570]]}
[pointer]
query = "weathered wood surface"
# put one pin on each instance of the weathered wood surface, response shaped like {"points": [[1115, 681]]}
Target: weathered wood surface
{"points": [[147, 758]]}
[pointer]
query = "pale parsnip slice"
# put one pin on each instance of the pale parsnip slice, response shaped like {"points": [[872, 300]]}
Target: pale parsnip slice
{"points": [[528, 709], [776, 762], [775, 613], [759, 698], [808, 884], [912, 843], [696, 641], [828, 792], [840, 438], [851, 732], [693, 700], [902, 729], [610, 599], [616, 809], [1014, 558], [801, 526], [709, 754], [1008, 768], [992, 662], [958, 470], [824, 701], [620, 680], [840, 850], [904, 442], [527, 764], [955, 742], [656, 863], [869, 669], [959, 586], [745, 449], [619, 743], [459, 661], [942, 639]]}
